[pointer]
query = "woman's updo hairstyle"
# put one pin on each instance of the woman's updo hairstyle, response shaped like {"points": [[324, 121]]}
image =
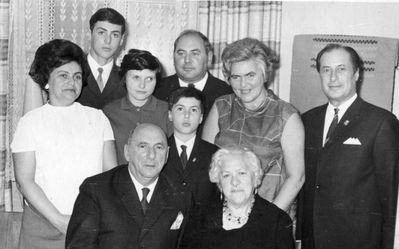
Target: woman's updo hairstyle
{"points": [[52, 55]]}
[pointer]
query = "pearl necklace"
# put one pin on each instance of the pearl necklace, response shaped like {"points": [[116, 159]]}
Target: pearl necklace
{"points": [[238, 219]]}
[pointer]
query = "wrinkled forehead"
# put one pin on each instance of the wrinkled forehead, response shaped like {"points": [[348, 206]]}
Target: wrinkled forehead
{"points": [[234, 162], [150, 135]]}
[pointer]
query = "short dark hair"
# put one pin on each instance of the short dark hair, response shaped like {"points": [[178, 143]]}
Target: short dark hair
{"points": [[52, 55], [110, 15], [187, 92], [136, 59], [357, 62], [207, 44]]}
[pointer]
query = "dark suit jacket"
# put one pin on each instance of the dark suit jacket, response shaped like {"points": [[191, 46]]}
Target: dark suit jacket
{"points": [[195, 176], [268, 227], [349, 198], [108, 214], [213, 89], [91, 95]]}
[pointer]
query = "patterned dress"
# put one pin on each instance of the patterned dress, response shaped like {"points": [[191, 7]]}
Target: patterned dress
{"points": [[259, 131]]}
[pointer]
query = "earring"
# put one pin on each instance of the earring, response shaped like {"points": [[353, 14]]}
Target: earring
{"points": [[221, 195], [46, 87], [256, 191]]}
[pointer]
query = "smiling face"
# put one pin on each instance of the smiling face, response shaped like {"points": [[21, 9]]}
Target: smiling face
{"points": [[106, 38], [247, 81], [190, 58], [236, 181], [146, 152], [338, 79], [186, 116], [65, 84], [140, 84]]}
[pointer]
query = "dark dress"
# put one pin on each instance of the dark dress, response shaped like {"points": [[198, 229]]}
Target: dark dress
{"points": [[268, 227]]}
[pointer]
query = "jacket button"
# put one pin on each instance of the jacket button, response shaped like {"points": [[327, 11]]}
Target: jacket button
{"points": [[184, 183], [317, 186]]}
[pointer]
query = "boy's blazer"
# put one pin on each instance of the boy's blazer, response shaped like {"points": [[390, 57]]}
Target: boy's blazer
{"points": [[195, 176]]}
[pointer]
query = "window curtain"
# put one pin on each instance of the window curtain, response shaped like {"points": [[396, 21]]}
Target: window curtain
{"points": [[226, 21]]}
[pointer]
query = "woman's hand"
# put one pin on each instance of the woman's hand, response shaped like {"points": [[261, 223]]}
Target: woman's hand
{"points": [[62, 223], [25, 169]]}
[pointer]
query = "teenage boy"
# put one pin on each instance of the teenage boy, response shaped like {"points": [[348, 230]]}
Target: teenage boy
{"points": [[107, 28], [189, 155]]}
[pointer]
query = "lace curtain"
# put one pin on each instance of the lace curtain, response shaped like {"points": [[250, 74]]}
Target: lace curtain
{"points": [[152, 25]]}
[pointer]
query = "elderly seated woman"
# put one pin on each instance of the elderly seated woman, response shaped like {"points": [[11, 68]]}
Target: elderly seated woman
{"points": [[240, 219]]}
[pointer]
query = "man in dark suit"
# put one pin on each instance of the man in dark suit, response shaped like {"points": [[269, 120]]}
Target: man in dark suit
{"points": [[189, 167], [192, 55], [107, 28], [352, 158], [131, 206]]}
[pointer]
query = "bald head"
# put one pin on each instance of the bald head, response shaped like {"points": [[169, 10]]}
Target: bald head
{"points": [[143, 128]]}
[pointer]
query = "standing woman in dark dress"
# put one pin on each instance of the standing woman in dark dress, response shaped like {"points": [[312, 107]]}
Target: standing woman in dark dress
{"points": [[240, 219]]}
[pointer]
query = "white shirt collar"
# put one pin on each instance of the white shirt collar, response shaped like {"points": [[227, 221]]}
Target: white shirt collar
{"points": [[330, 114], [138, 186], [107, 68], [189, 144], [200, 85]]}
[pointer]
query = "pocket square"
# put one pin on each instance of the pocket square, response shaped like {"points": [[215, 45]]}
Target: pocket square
{"points": [[177, 223], [353, 141]]}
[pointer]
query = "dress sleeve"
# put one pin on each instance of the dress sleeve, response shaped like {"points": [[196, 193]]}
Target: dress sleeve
{"points": [[24, 140], [108, 133]]}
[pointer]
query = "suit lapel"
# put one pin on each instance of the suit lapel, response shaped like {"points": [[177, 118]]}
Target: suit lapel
{"points": [[173, 84], [195, 155], [125, 187], [347, 122], [112, 83], [159, 202], [317, 126], [91, 81], [175, 157]]}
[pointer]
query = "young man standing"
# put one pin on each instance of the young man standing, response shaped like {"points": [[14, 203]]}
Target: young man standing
{"points": [[107, 28]]}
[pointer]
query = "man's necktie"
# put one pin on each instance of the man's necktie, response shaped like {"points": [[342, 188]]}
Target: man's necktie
{"points": [[333, 124], [100, 79], [144, 202], [183, 156]]}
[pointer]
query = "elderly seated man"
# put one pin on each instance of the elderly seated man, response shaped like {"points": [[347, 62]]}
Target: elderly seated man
{"points": [[131, 206]]}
